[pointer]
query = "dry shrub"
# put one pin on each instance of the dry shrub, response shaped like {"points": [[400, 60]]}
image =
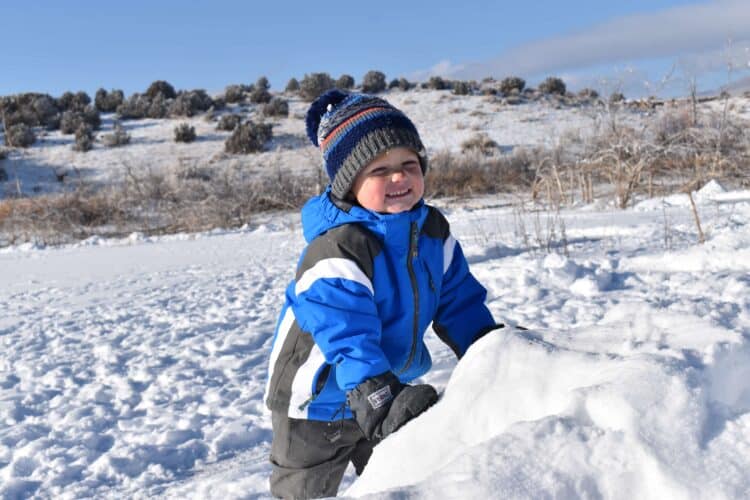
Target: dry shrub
{"points": [[292, 85], [19, 135], [184, 132], [58, 218], [315, 84], [118, 137], [161, 87], [512, 84], [345, 82], [107, 102], [469, 174], [481, 143], [276, 107], [234, 93], [373, 82], [190, 103], [73, 102], [552, 85], [84, 138], [228, 122], [248, 137], [72, 120]]}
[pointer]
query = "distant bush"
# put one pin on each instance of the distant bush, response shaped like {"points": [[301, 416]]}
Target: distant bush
{"points": [[345, 82], [84, 138], [512, 84], [73, 102], [107, 102], [184, 132], [404, 84], [315, 84], [588, 93], [159, 107], [35, 110], [161, 87], [262, 83], [19, 135], [3, 153], [461, 88], [46, 112], [118, 137], [190, 103], [437, 83], [616, 97], [260, 95], [373, 82], [552, 85], [481, 143], [71, 120], [135, 107], [276, 107], [228, 122], [248, 137], [234, 93], [292, 85]]}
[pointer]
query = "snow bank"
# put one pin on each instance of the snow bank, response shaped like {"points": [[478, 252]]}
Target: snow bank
{"points": [[524, 418]]}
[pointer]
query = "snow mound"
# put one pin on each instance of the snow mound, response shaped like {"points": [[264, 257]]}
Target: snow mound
{"points": [[551, 422]]}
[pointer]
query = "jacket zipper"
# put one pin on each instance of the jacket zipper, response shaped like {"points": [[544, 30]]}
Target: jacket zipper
{"points": [[320, 383], [413, 254]]}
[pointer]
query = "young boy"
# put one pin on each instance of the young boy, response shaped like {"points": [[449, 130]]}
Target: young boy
{"points": [[379, 267]]}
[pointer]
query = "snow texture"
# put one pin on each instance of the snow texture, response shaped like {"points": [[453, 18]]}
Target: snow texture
{"points": [[135, 367]]}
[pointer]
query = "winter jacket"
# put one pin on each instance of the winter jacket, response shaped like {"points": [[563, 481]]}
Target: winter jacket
{"points": [[367, 287]]}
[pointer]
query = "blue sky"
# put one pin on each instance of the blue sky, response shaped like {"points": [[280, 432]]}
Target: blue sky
{"points": [[53, 46]]}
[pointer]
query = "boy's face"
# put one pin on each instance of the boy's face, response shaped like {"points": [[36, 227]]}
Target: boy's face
{"points": [[391, 183]]}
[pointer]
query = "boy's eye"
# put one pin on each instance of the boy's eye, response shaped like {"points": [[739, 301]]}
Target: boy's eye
{"points": [[380, 171]]}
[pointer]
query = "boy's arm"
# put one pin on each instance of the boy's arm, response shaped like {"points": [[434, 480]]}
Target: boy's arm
{"points": [[334, 302], [462, 317], [340, 314]]}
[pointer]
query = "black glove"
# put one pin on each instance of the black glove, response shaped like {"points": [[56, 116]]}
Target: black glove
{"points": [[382, 404]]}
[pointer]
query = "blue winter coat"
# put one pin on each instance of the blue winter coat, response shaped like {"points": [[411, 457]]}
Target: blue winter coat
{"points": [[367, 287]]}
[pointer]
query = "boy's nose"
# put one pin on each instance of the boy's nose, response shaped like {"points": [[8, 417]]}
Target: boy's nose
{"points": [[397, 174]]}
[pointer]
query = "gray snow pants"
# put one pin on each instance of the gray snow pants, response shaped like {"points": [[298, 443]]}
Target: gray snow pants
{"points": [[309, 457]]}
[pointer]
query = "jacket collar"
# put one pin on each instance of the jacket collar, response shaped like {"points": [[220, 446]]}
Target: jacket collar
{"points": [[324, 212]]}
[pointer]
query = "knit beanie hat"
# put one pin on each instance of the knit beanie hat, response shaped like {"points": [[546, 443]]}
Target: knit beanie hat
{"points": [[351, 129]]}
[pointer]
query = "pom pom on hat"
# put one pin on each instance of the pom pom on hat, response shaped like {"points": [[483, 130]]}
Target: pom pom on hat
{"points": [[322, 105]]}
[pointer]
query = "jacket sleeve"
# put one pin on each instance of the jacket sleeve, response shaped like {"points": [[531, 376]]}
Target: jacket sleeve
{"points": [[334, 302], [462, 316]]}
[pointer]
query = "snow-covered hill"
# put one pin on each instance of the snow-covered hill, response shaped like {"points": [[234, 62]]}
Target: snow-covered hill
{"points": [[444, 120], [135, 368]]}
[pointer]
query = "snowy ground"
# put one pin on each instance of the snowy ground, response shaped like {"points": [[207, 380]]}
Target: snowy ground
{"points": [[135, 367]]}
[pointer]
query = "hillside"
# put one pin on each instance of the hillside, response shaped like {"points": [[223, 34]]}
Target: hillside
{"points": [[561, 149]]}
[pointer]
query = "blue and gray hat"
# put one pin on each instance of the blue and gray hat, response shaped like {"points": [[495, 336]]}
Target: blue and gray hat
{"points": [[352, 129]]}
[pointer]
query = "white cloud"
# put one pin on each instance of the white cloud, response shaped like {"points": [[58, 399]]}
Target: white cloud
{"points": [[442, 68], [674, 32]]}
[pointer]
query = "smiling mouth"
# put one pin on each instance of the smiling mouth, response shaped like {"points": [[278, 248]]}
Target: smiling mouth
{"points": [[399, 194]]}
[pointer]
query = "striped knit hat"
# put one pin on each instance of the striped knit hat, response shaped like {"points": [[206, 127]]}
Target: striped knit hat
{"points": [[352, 129]]}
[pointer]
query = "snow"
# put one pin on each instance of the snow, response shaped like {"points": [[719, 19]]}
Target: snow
{"points": [[136, 367]]}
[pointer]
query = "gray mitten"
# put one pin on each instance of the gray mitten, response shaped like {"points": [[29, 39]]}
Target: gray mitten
{"points": [[371, 400], [382, 404], [410, 402]]}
